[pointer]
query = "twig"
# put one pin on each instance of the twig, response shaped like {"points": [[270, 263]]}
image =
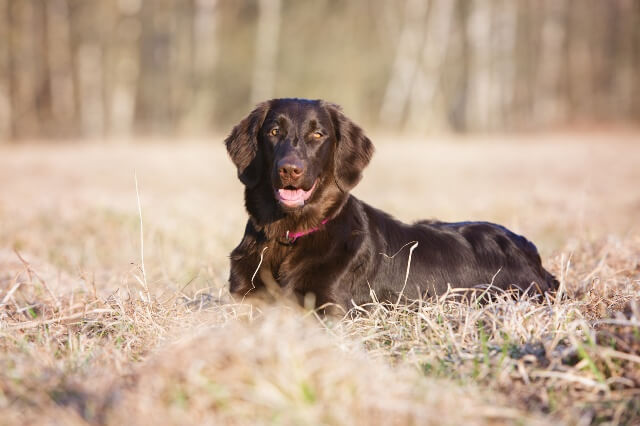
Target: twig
{"points": [[612, 321], [253, 287], [621, 355], [30, 271], [33, 324], [10, 293], [490, 284], [406, 276], [570, 378], [144, 274], [563, 277], [399, 250]]}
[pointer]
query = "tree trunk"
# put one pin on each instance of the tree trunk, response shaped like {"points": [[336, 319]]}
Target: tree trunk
{"points": [[60, 67], [267, 34], [405, 64], [125, 70], [480, 110], [153, 109], [26, 76], [550, 107], [205, 53], [424, 110], [5, 72], [635, 107]]}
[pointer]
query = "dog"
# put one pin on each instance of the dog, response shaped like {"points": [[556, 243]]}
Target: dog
{"points": [[307, 235]]}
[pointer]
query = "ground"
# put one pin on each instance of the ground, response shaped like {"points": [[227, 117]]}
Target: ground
{"points": [[94, 330]]}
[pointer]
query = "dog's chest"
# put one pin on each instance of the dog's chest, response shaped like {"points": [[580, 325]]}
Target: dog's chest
{"points": [[290, 266], [276, 268]]}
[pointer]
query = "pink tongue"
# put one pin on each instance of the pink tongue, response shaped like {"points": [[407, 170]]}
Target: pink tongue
{"points": [[293, 194]]}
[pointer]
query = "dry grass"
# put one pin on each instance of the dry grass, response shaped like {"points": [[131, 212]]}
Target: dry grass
{"points": [[80, 341]]}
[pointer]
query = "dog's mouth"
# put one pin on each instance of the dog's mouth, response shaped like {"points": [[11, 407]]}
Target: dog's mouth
{"points": [[290, 196]]}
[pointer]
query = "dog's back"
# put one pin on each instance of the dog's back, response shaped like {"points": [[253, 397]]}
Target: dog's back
{"points": [[496, 245], [457, 255]]}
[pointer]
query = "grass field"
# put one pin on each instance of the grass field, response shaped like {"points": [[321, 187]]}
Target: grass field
{"points": [[91, 334]]}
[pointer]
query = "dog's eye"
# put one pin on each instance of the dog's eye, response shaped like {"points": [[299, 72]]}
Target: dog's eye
{"points": [[275, 131], [317, 135]]}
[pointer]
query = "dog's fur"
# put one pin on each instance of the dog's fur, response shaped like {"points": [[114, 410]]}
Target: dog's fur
{"points": [[360, 252]]}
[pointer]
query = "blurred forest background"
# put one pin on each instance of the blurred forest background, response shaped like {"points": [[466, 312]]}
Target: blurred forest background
{"points": [[128, 68]]}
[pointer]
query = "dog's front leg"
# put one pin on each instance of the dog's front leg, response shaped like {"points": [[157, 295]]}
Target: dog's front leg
{"points": [[246, 260]]}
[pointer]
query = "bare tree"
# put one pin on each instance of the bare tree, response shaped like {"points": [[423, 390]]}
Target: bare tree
{"points": [[205, 47], [423, 111], [60, 67], [621, 68], [153, 98], [635, 57], [25, 75], [405, 64], [90, 74], [5, 73], [503, 68], [267, 33], [480, 102], [550, 107]]}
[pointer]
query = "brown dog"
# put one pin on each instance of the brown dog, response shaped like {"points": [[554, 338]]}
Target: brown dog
{"points": [[298, 160]]}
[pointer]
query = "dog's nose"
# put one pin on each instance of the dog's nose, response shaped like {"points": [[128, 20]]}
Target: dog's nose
{"points": [[291, 169]]}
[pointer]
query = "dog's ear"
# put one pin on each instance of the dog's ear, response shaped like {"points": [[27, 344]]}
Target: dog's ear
{"points": [[353, 149], [243, 147]]}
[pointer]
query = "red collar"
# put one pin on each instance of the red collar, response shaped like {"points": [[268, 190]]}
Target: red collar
{"points": [[291, 237]]}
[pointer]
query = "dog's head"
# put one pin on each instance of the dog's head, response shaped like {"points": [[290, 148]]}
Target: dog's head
{"points": [[299, 146]]}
